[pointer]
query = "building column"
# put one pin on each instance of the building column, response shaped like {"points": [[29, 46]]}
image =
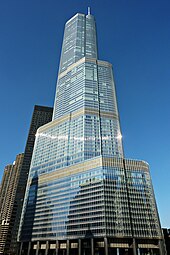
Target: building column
{"points": [[79, 247], [38, 247], [105, 246], [134, 247], [117, 251], [47, 248], [152, 252], [68, 247], [138, 251], [29, 248], [92, 246], [57, 247], [162, 248], [20, 250]]}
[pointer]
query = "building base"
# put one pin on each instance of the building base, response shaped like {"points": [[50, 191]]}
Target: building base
{"points": [[93, 246]]}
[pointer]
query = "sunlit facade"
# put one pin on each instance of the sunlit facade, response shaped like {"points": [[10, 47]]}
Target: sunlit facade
{"points": [[83, 196], [9, 193]]}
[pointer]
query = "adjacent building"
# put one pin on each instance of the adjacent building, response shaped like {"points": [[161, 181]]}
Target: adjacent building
{"points": [[13, 185], [4, 184], [41, 115], [166, 233], [83, 196], [8, 202]]}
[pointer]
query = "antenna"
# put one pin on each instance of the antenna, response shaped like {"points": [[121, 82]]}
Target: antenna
{"points": [[89, 11]]}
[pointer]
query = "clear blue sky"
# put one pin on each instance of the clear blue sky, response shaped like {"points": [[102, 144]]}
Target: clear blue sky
{"points": [[133, 35]]}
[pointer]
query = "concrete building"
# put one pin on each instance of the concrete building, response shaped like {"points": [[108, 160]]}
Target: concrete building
{"points": [[8, 202]]}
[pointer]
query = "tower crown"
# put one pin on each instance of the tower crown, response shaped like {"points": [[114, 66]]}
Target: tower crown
{"points": [[79, 40]]}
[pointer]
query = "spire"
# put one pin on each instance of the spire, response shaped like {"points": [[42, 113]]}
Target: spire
{"points": [[89, 11]]}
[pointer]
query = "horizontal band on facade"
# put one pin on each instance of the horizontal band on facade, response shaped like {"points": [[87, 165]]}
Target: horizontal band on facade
{"points": [[94, 163], [119, 243], [81, 111], [83, 60]]}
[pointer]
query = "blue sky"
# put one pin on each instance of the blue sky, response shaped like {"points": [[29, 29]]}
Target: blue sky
{"points": [[133, 35]]}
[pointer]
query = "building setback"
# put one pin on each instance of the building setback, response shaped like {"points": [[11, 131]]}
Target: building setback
{"points": [[41, 115], [83, 196]]}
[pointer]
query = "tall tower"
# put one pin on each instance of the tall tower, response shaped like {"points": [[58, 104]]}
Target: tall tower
{"points": [[13, 185], [83, 196], [41, 115], [8, 202]]}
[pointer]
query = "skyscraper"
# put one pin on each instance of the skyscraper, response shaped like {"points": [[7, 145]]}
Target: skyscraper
{"points": [[41, 115], [83, 196], [14, 183], [8, 202]]}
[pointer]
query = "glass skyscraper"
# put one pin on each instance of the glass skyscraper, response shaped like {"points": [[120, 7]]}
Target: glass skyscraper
{"points": [[83, 196]]}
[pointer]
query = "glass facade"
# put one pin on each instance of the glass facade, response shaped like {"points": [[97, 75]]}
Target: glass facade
{"points": [[79, 40], [111, 196], [79, 182]]}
